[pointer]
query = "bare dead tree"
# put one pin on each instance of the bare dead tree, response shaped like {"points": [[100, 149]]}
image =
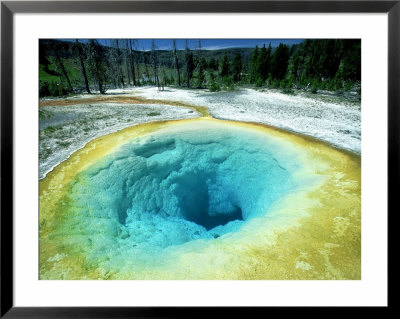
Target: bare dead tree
{"points": [[83, 69], [136, 59], [96, 57], [178, 73], [189, 64], [119, 63], [199, 48], [163, 78], [132, 59], [154, 57], [61, 65], [127, 59], [111, 63], [145, 65]]}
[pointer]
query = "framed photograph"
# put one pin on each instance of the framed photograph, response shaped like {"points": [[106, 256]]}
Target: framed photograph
{"points": [[158, 156]]}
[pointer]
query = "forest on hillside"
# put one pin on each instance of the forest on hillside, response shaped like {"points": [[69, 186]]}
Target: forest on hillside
{"points": [[93, 66]]}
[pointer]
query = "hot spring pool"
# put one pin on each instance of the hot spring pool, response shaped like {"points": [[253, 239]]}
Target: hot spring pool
{"points": [[140, 203], [174, 186]]}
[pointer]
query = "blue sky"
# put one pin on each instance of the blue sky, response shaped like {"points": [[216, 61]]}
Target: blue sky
{"points": [[208, 44]]}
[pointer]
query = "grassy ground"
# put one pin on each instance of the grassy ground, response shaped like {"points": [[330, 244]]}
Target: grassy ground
{"points": [[70, 65]]}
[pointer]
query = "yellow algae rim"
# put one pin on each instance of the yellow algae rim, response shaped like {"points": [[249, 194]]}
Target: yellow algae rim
{"points": [[317, 234]]}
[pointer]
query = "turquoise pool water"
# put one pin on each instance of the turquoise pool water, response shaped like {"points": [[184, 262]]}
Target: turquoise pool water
{"points": [[178, 185]]}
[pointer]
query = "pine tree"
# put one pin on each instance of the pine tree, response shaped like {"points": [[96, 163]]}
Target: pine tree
{"points": [[201, 72], [237, 66], [212, 64], [290, 75], [254, 66], [224, 67], [213, 86], [279, 62], [264, 60], [189, 65]]}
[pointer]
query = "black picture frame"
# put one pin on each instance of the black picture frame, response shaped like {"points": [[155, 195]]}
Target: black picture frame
{"points": [[9, 8]]}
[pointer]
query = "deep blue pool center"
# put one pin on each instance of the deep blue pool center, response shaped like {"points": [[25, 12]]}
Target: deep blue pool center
{"points": [[175, 186]]}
